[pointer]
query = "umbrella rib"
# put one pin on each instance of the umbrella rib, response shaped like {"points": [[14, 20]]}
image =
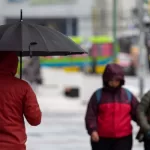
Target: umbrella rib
{"points": [[40, 35]]}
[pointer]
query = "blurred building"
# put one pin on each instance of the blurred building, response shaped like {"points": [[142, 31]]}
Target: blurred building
{"points": [[71, 17], [103, 16]]}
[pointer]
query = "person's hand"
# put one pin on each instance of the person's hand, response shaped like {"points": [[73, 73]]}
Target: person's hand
{"points": [[95, 136]]}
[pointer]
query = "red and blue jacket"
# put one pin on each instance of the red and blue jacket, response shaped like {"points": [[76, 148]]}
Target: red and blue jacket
{"points": [[112, 116]]}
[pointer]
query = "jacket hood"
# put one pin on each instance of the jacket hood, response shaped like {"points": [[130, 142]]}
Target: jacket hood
{"points": [[113, 71], [8, 63]]}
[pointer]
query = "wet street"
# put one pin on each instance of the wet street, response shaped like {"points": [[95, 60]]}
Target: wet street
{"points": [[62, 126], [63, 131], [60, 131]]}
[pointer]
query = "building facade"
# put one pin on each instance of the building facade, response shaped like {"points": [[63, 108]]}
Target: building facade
{"points": [[71, 17], [103, 16]]}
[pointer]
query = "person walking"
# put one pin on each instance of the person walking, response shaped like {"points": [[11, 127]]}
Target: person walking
{"points": [[110, 111], [143, 116], [32, 72], [17, 100]]}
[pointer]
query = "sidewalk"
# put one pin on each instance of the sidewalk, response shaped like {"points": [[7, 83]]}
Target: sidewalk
{"points": [[62, 126]]}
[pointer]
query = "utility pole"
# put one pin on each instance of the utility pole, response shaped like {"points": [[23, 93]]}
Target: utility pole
{"points": [[114, 26], [142, 58]]}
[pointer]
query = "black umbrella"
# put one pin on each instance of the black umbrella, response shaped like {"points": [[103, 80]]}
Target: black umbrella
{"points": [[35, 40]]}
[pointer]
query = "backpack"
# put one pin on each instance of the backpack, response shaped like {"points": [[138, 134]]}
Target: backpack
{"points": [[99, 94]]}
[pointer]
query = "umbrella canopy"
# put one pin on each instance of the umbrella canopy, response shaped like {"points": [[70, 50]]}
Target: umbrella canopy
{"points": [[36, 40]]}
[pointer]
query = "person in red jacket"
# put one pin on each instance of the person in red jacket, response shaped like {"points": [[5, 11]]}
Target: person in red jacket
{"points": [[17, 100], [109, 122]]}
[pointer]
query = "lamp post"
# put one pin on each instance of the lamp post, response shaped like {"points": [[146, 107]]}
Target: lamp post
{"points": [[114, 26], [142, 51]]}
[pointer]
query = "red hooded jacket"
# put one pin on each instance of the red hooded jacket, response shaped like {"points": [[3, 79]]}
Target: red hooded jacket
{"points": [[111, 118], [17, 100]]}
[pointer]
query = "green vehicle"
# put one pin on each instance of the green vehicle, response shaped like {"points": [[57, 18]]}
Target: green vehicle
{"points": [[68, 63], [100, 54]]}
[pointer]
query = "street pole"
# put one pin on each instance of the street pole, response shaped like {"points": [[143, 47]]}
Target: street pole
{"points": [[142, 59], [69, 27], [114, 27]]}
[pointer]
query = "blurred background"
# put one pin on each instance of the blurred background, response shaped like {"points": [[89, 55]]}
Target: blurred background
{"points": [[110, 31]]}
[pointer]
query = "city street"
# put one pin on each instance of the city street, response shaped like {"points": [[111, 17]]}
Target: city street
{"points": [[62, 127]]}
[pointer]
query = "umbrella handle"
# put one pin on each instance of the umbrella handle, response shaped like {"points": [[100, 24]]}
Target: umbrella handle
{"points": [[31, 44], [30, 51], [21, 14]]}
